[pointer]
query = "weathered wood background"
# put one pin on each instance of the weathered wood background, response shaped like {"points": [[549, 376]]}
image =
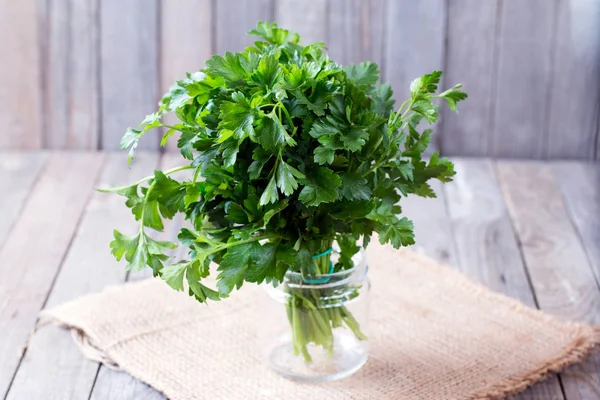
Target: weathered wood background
{"points": [[76, 73]]}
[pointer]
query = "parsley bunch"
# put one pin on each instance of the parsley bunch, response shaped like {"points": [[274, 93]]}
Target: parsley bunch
{"points": [[290, 152]]}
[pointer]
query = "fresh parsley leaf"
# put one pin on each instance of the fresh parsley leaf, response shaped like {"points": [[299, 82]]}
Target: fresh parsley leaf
{"points": [[321, 187]]}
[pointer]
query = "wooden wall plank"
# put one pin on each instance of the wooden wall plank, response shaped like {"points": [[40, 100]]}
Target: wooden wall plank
{"points": [[129, 68], [573, 115], [308, 18], [580, 186], [524, 78], [558, 266], [46, 225], [356, 31], [53, 366], [487, 250], [416, 32], [234, 18], [20, 78], [186, 43], [71, 106], [470, 60], [18, 173]]}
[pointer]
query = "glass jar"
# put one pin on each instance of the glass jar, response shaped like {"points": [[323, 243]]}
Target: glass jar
{"points": [[316, 329]]}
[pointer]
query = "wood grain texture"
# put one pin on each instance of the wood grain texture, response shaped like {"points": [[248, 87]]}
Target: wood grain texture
{"points": [[308, 18], [46, 226], [18, 173], [234, 18], [71, 106], [580, 186], [185, 44], [356, 31], [487, 250], [561, 276], [53, 367], [416, 32], [129, 68], [20, 78], [116, 385], [470, 60], [524, 78], [433, 233], [573, 115]]}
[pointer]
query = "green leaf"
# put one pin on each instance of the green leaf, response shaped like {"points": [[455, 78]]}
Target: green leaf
{"points": [[265, 263], [453, 96], [321, 187], [229, 150], [324, 155], [425, 84], [286, 175], [235, 213], [201, 292], [274, 210], [229, 67], [270, 32], [398, 232], [354, 187], [173, 274], [270, 194], [355, 138], [321, 94], [204, 159], [273, 134], [169, 193], [268, 71], [382, 99], [364, 74], [237, 117], [233, 267], [124, 245], [186, 144], [130, 141]]}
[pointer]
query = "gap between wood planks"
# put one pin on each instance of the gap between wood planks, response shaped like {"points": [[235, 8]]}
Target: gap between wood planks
{"points": [[562, 276], [68, 283]]}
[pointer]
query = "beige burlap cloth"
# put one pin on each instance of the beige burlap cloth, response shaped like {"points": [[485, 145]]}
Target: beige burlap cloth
{"points": [[434, 334]]}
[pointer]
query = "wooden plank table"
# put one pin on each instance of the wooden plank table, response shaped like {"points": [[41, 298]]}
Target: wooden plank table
{"points": [[530, 230]]}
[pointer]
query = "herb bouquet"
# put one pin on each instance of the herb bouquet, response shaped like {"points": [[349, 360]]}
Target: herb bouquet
{"points": [[290, 152]]}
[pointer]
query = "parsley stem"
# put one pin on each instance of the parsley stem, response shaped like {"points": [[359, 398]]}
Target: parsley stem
{"points": [[404, 120], [287, 114], [167, 172], [144, 210]]}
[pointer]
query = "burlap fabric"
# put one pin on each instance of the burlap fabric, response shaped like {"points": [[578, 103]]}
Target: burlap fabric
{"points": [[434, 334]]}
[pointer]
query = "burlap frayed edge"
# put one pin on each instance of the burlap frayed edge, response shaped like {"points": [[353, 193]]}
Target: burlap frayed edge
{"points": [[586, 342], [583, 345], [82, 337]]}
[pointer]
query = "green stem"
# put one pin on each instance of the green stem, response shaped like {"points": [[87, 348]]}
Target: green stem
{"points": [[287, 114], [167, 172], [402, 116]]}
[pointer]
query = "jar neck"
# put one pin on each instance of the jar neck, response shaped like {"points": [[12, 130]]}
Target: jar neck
{"points": [[354, 275]]}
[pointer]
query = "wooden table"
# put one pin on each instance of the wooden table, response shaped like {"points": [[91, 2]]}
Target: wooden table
{"points": [[530, 230]]}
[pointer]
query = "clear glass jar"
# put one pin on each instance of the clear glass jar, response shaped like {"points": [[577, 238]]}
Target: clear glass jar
{"points": [[316, 329]]}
